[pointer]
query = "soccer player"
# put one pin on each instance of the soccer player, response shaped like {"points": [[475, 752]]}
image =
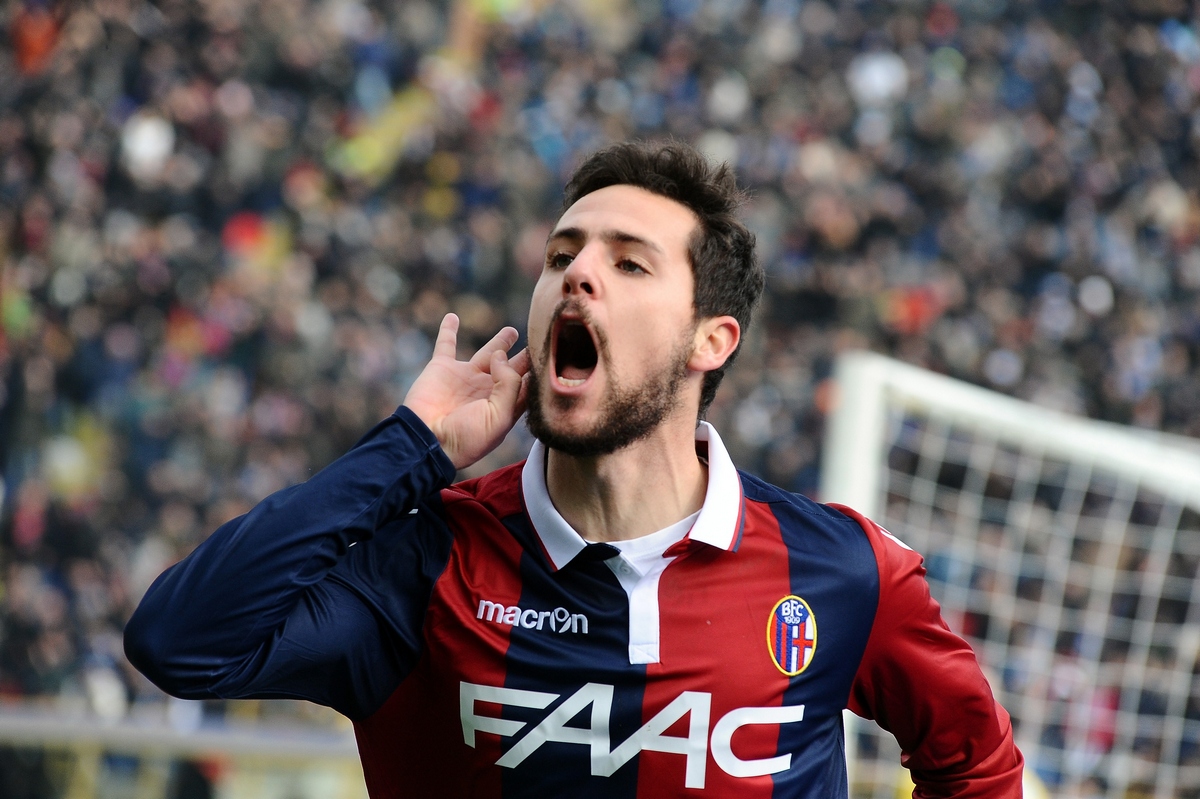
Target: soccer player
{"points": [[622, 615]]}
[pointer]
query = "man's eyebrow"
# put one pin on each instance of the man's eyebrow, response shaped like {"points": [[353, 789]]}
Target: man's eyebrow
{"points": [[578, 236]]}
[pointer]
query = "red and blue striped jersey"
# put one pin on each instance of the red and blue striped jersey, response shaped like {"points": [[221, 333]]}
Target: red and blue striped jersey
{"points": [[483, 649]]}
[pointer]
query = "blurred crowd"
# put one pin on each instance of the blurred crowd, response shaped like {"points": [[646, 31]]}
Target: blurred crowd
{"points": [[229, 228]]}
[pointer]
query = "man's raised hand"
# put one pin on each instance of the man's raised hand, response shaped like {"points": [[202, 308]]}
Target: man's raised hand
{"points": [[470, 405]]}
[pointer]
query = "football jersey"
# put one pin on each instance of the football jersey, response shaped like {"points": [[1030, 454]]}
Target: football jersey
{"points": [[484, 649]]}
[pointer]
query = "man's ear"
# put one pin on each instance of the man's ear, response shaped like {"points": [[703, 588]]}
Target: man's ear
{"points": [[715, 340]]}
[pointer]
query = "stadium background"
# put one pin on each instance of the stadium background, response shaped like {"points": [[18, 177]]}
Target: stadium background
{"points": [[228, 230]]}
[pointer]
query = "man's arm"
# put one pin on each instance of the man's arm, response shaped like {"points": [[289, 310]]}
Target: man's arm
{"points": [[922, 683], [256, 609], [227, 620]]}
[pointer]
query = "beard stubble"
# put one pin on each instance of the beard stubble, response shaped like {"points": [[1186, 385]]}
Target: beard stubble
{"points": [[628, 413]]}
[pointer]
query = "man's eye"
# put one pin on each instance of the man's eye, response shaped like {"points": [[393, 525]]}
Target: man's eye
{"points": [[559, 260], [626, 265]]}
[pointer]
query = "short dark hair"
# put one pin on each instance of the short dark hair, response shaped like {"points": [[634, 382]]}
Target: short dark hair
{"points": [[725, 270]]}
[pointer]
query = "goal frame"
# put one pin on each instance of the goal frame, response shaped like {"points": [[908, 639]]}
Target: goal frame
{"points": [[868, 384]]}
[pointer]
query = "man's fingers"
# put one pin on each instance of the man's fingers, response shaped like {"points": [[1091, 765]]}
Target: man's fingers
{"points": [[522, 396], [501, 342], [520, 362], [510, 386], [446, 345], [506, 384]]}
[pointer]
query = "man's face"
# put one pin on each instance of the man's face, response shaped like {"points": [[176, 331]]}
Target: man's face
{"points": [[611, 323]]}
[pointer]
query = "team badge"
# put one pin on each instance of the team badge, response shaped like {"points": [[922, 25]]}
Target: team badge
{"points": [[792, 635]]}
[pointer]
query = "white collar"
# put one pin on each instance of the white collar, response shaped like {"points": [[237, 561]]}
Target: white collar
{"points": [[719, 524]]}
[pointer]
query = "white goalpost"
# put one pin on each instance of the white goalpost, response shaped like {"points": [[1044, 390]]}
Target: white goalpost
{"points": [[1065, 550]]}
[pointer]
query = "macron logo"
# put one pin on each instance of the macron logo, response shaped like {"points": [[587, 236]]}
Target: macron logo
{"points": [[559, 620]]}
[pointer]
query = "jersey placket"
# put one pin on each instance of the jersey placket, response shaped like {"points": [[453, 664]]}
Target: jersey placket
{"points": [[641, 587]]}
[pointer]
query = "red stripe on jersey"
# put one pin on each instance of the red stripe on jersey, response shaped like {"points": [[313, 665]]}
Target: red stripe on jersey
{"points": [[713, 609], [419, 726]]}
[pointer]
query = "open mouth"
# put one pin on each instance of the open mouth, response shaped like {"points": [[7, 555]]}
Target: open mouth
{"points": [[574, 353]]}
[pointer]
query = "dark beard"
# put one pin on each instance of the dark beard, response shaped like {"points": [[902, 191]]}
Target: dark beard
{"points": [[628, 414]]}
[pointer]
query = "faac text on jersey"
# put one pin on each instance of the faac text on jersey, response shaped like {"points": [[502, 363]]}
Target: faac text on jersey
{"points": [[650, 737]]}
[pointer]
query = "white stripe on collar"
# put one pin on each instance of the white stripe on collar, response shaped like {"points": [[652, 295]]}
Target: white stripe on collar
{"points": [[718, 525]]}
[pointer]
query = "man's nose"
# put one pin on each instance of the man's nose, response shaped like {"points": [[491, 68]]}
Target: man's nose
{"points": [[580, 277]]}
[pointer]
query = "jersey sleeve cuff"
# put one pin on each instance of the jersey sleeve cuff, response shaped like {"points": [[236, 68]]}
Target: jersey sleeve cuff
{"points": [[421, 432]]}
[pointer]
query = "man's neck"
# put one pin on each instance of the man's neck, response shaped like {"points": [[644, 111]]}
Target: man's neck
{"points": [[633, 492]]}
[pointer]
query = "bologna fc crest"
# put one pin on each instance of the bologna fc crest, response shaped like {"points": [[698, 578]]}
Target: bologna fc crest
{"points": [[792, 635]]}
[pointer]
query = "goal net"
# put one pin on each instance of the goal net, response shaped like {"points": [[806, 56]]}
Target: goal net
{"points": [[1064, 550]]}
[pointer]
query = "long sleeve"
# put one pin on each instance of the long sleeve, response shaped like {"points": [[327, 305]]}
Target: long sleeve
{"points": [[273, 604], [922, 683]]}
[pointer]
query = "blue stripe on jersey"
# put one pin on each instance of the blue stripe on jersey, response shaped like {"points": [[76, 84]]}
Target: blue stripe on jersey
{"points": [[830, 560], [562, 663]]}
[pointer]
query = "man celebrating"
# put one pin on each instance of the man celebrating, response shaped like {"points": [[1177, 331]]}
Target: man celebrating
{"points": [[623, 615]]}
